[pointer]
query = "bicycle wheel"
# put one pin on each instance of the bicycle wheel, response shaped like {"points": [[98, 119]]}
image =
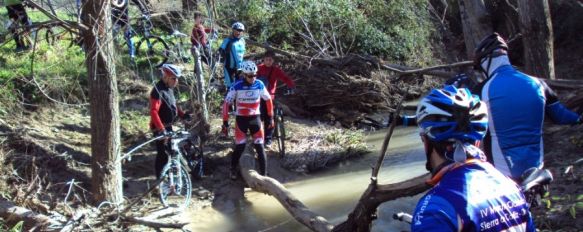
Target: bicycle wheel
{"points": [[280, 135], [175, 187], [152, 50]]}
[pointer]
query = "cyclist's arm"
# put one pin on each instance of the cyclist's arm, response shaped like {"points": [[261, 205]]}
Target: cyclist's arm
{"points": [[155, 104], [280, 75], [557, 111], [228, 101], [434, 213], [268, 102]]}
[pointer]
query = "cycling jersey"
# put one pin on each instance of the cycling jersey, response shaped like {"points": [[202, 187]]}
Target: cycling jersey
{"points": [[247, 98], [472, 196], [270, 76], [516, 107], [233, 51], [163, 109]]}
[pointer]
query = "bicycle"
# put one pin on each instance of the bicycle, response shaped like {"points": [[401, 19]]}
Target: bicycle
{"points": [[279, 129], [152, 47], [176, 53], [184, 156]]}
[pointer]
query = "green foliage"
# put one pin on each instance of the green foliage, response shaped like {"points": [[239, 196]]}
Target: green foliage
{"points": [[134, 122], [347, 139], [398, 30]]}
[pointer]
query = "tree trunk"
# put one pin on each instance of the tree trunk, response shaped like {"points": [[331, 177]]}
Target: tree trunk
{"points": [[200, 85], [476, 23], [103, 99], [537, 34]]}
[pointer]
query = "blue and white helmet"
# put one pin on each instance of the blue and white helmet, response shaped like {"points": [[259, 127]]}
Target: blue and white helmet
{"points": [[172, 69], [451, 114], [238, 26], [249, 67]]}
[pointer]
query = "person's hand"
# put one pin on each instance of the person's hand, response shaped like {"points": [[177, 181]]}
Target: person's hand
{"points": [[225, 128], [271, 123]]}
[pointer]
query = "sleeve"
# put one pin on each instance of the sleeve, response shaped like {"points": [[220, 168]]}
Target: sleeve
{"points": [[228, 101], [193, 35], [283, 77], [556, 110], [155, 104], [268, 101], [434, 213]]}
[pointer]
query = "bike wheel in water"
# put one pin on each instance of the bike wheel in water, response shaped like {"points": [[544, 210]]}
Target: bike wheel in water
{"points": [[175, 187], [152, 50], [280, 135]]}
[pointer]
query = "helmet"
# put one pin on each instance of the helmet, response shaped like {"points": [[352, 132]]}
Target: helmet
{"points": [[170, 68], [487, 48], [238, 26], [452, 114], [249, 67]]}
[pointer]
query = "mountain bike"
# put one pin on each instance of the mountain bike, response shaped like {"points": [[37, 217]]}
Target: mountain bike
{"points": [[279, 129], [184, 157], [149, 47], [176, 53], [533, 184]]}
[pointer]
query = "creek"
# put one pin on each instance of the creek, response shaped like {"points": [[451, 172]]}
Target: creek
{"points": [[331, 193]]}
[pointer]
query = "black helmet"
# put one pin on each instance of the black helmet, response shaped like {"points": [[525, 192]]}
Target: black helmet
{"points": [[487, 48]]}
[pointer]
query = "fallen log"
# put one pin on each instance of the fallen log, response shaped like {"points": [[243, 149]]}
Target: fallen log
{"points": [[155, 224], [272, 187], [12, 213]]}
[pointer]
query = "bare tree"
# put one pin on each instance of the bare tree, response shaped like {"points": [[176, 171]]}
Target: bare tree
{"points": [[537, 34], [104, 108], [476, 23]]}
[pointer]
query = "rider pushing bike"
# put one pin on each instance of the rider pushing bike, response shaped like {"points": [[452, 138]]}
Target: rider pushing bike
{"points": [[269, 74], [247, 94], [164, 111]]}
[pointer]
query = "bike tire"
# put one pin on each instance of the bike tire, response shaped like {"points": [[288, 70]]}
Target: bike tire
{"points": [[155, 53], [280, 137], [177, 195]]}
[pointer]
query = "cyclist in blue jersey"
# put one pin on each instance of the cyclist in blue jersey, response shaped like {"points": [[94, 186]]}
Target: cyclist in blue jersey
{"points": [[468, 193], [517, 105], [232, 50]]}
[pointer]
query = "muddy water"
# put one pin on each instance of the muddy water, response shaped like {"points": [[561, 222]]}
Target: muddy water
{"points": [[332, 193]]}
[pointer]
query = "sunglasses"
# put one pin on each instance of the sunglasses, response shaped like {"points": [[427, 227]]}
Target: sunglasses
{"points": [[249, 76], [240, 30]]}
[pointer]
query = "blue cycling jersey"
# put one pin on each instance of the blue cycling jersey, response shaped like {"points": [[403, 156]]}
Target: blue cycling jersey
{"points": [[472, 196], [516, 108], [234, 49]]}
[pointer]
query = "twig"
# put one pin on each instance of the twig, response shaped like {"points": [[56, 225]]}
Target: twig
{"points": [[376, 169], [155, 224]]}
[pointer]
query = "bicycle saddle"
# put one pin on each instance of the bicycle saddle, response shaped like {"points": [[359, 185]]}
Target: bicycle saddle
{"points": [[535, 176], [177, 33]]}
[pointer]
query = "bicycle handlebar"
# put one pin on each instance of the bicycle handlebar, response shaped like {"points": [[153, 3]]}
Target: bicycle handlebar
{"points": [[404, 217]]}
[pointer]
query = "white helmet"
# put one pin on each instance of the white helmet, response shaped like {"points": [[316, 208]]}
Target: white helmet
{"points": [[249, 67], [173, 69], [238, 26]]}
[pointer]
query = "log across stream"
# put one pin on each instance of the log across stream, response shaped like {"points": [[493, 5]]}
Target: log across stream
{"points": [[332, 193]]}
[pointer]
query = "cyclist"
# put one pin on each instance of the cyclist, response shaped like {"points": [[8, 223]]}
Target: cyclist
{"points": [[233, 49], [246, 94], [269, 74], [164, 111], [468, 193], [121, 20], [517, 104], [17, 13], [198, 37]]}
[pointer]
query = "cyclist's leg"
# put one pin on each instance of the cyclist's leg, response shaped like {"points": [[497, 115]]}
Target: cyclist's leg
{"points": [[128, 37], [241, 128], [265, 119], [161, 155], [257, 131], [229, 77], [15, 15]]}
